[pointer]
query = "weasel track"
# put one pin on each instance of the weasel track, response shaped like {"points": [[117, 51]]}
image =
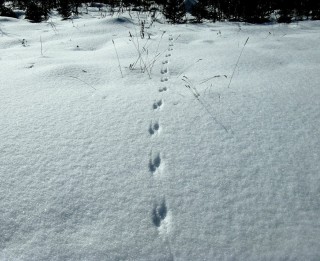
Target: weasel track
{"points": [[163, 89], [154, 128], [157, 105], [159, 213], [154, 162]]}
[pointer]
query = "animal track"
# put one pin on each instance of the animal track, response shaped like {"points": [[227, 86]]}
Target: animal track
{"points": [[157, 104], [31, 65], [164, 71], [164, 89], [164, 79], [160, 216], [154, 127], [159, 213], [154, 162]]}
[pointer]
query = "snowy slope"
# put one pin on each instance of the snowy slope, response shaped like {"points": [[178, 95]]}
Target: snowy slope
{"points": [[95, 166]]}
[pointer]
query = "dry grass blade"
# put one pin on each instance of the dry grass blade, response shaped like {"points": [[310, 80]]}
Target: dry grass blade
{"points": [[83, 82], [188, 67], [237, 62], [117, 58], [196, 94]]}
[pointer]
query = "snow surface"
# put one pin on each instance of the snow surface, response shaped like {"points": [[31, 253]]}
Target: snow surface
{"points": [[94, 166]]}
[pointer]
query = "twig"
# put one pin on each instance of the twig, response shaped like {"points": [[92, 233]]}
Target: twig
{"points": [[156, 53], [210, 78], [160, 41], [188, 67], [237, 62], [117, 57], [188, 85], [137, 46], [204, 105], [54, 28], [41, 45], [82, 81], [144, 49]]}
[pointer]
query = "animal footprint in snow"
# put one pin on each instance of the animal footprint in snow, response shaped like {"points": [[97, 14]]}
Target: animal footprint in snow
{"points": [[31, 65], [159, 213], [154, 163], [170, 38], [164, 79], [168, 55], [165, 62], [171, 44], [164, 71], [164, 89], [170, 49], [154, 127], [157, 105]]}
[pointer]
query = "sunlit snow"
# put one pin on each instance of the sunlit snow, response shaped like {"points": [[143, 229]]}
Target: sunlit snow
{"points": [[165, 164]]}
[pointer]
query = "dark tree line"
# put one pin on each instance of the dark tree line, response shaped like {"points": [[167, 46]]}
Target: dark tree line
{"points": [[255, 11]]}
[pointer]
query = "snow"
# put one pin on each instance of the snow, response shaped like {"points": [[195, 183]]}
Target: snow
{"points": [[95, 166]]}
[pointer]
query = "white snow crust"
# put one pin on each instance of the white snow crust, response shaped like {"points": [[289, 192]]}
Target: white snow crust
{"points": [[95, 166]]}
